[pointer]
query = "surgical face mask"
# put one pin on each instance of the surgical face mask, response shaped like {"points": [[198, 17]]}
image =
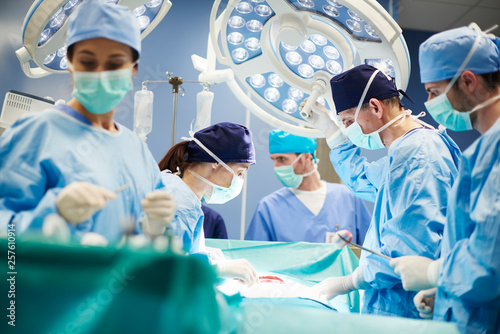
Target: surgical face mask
{"points": [[220, 195], [287, 176], [441, 109], [100, 92], [354, 132]]}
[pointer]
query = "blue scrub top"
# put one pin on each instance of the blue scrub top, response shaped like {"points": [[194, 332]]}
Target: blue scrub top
{"points": [[410, 188], [281, 216], [42, 153], [469, 286]]}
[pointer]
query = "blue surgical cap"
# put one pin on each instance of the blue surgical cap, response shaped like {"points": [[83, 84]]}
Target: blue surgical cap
{"points": [[441, 56], [348, 87], [230, 142], [97, 18], [284, 142]]}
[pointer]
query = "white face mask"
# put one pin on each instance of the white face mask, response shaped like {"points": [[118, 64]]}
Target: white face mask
{"points": [[219, 195], [372, 140]]}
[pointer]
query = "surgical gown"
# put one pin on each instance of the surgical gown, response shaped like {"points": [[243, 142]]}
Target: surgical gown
{"points": [[469, 285], [281, 216], [188, 220], [44, 152], [410, 188]]}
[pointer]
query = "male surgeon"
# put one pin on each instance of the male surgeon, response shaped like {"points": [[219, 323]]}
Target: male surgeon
{"points": [[409, 186], [306, 208], [460, 69]]}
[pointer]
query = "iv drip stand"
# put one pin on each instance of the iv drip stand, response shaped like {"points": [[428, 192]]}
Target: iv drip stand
{"points": [[176, 83]]}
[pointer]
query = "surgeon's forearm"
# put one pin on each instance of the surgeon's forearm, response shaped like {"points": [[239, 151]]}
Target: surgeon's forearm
{"points": [[352, 170]]}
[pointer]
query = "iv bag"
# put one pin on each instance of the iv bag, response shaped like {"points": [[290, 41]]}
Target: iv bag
{"points": [[143, 113]]}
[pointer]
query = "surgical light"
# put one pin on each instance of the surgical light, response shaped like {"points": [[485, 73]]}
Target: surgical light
{"points": [[45, 26], [280, 52]]}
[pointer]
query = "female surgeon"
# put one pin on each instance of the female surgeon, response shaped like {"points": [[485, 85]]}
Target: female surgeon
{"points": [[74, 159], [208, 167]]}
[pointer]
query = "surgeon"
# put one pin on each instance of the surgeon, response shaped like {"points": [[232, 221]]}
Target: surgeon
{"points": [[409, 186], [460, 69], [306, 208], [209, 167], [69, 160]]}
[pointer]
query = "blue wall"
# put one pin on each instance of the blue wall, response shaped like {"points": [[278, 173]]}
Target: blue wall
{"points": [[183, 32]]}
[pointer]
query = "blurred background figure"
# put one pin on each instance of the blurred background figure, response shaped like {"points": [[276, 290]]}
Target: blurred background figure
{"points": [[213, 224], [306, 208]]}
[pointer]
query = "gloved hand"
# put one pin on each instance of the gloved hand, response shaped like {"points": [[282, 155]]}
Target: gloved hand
{"points": [[215, 254], [93, 239], [417, 272], [339, 243], [335, 286], [78, 201], [240, 269], [159, 208], [331, 287], [321, 120], [424, 301]]}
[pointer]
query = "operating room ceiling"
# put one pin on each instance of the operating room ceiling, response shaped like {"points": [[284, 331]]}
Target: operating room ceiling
{"points": [[438, 15]]}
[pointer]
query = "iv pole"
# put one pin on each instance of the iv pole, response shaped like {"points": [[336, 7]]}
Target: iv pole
{"points": [[176, 83]]}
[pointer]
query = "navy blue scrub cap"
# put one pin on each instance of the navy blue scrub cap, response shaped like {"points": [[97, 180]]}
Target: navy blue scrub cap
{"points": [[97, 18], [230, 142], [348, 87]]}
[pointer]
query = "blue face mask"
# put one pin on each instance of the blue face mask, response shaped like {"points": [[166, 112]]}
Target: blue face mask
{"points": [[441, 109], [354, 132], [287, 176], [101, 92]]}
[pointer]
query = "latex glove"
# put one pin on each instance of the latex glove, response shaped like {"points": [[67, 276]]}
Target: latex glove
{"points": [[424, 301], [215, 254], [240, 269], [335, 286], [332, 287], [93, 239], [159, 208], [417, 272], [339, 243], [79, 201], [321, 120], [55, 227]]}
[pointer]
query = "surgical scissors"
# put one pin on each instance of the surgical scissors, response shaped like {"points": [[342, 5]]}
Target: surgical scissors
{"points": [[365, 249]]}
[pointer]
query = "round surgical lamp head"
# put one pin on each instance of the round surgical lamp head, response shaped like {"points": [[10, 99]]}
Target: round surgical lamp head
{"points": [[45, 25], [283, 51]]}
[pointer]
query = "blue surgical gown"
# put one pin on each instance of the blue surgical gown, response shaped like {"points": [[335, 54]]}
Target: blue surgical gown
{"points": [[469, 286], [188, 220], [409, 187], [281, 216], [44, 152]]}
